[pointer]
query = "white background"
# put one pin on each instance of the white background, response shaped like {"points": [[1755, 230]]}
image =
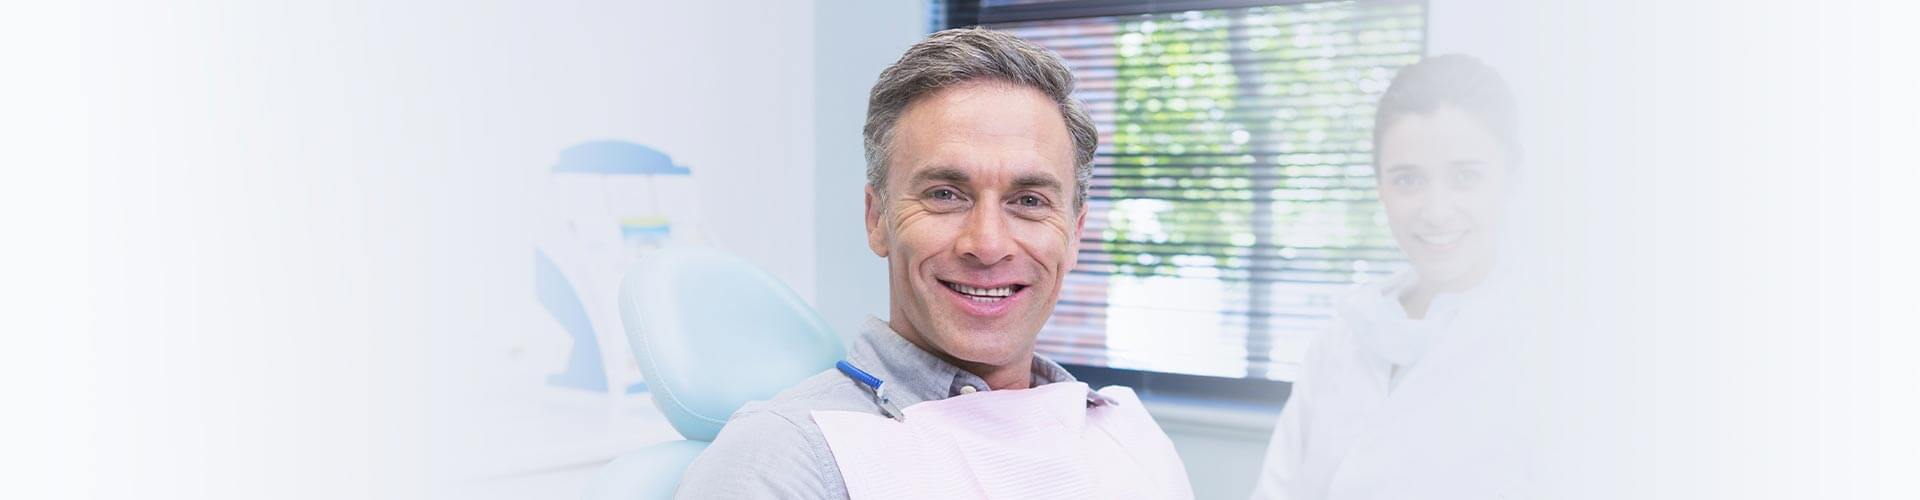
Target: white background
{"points": [[244, 243]]}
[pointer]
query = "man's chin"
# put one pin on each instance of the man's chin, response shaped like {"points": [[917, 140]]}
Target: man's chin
{"points": [[995, 343], [995, 356]]}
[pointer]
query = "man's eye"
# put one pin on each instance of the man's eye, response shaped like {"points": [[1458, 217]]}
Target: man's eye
{"points": [[1466, 176], [945, 199], [1408, 180], [1030, 201]]}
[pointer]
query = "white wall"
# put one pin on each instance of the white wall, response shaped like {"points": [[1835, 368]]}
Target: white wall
{"points": [[309, 222], [301, 221], [855, 41]]}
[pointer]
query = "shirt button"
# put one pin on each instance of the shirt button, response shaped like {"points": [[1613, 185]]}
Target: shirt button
{"points": [[968, 389]]}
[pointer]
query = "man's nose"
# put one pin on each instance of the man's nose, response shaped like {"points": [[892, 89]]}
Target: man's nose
{"points": [[985, 239]]}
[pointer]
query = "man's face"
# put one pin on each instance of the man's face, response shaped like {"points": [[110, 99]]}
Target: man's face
{"points": [[977, 221], [1443, 180]]}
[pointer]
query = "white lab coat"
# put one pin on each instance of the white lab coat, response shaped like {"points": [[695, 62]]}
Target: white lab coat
{"points": [[1390, 408]]}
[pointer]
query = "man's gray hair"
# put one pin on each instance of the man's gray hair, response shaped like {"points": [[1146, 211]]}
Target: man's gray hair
{"points": [[964, 55]]}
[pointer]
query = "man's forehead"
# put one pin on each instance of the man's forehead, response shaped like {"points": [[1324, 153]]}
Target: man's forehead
{"points": [[971, 122]]}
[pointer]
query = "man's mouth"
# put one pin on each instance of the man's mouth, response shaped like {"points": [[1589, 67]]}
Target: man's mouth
{"points": [[984, 294]]}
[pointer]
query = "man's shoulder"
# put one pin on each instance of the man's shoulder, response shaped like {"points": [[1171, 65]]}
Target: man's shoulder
{"points": [[785, 422], [772, 448], [762, 455]]}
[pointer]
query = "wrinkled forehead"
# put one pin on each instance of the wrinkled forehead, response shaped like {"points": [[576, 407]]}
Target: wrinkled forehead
{"points": [[993, 131]]}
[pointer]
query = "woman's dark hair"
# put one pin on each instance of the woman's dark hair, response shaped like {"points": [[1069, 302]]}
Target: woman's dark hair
{"points": [[1456, 80]]}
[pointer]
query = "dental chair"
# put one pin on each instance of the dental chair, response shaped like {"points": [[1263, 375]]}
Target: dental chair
{"points": [[711, 332]]}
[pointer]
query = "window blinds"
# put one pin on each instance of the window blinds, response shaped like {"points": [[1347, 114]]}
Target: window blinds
{"points": [[1233, 193]]}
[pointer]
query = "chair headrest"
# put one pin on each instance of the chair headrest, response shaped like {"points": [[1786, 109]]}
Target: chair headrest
{"points": [[712, 332]]}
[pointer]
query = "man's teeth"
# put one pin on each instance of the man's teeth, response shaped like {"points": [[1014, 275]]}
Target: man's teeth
{"points": [[981, 292], [1446, 238]]}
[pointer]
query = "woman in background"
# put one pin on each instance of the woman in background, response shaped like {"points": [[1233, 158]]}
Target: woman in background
{"points": [[1410, 394]]}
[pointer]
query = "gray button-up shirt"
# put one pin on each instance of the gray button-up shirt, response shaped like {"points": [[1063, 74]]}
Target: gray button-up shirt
{"points": [[772, 449]]}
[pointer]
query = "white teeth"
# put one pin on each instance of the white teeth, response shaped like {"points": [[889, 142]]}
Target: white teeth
{"points": [[981, 292], [1446, 238]]}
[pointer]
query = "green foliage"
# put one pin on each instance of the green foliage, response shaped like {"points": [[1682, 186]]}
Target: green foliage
{"points": [[1222, 120]]}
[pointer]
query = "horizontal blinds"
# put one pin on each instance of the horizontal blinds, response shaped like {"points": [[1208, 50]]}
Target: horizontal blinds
{"points": [[1233, 193]]}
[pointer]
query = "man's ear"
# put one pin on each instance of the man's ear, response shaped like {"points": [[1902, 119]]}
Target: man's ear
{"points": [[1080, 225], [1079, 232], [876, 234]]}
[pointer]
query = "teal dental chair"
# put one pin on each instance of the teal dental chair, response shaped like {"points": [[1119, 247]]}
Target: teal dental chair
{"points": [[711, 332]]}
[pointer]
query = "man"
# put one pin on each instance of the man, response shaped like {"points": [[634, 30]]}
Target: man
{"points": [[978, 164]]}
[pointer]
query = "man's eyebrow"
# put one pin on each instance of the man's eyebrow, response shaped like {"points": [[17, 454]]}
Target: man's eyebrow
{"points": [[951, 175], [1037, 181], [940, 174]]}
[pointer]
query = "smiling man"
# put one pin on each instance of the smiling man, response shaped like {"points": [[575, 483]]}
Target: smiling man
{"points": [[978, 164], [980, 218]]}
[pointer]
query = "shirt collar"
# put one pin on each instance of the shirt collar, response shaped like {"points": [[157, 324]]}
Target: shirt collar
{"points": [[913, 375]]}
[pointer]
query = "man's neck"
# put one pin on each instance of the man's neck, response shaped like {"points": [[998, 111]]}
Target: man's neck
{"points": [[1013, 376], [1017, 375]]}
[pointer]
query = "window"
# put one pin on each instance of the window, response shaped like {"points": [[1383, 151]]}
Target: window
{"points": [[1233, 193]]}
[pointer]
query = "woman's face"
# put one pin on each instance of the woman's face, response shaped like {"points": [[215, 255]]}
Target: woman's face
{"points": [[1443, 180]]}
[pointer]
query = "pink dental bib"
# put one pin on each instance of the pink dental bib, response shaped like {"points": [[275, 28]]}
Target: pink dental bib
{"points": [[1045, 442]]}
